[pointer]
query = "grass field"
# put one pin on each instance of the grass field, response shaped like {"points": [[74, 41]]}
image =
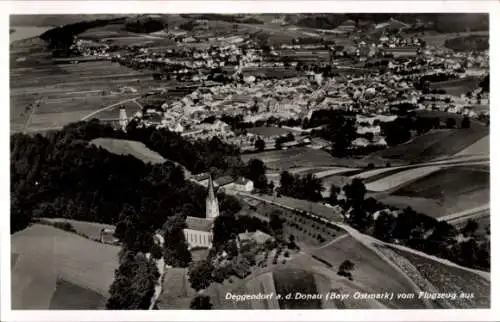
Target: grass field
{"points": [[452, 279], [480, 147], [90, 229], [370, 271], [434, 144], [72, 297], [449, 183], [63, 255], [290, 280], [25, 32], [126, 147], [291, 158], [392, 181]]}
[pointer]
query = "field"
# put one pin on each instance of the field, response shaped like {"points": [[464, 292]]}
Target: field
{"points": [[291, 280], [291, 158], [452, 279], [459, 86], [45, 95], [126, 147], [434, 144], [90, 229], [448, 183], [370, 271], [393, 181], [82, 262], [443, 191], [439, 39], [72, 297], [25, 32], [480, 147], [135, 149], [177, 293]]}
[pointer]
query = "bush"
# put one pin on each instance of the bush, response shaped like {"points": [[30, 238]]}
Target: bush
{"points": [[64, 225]]}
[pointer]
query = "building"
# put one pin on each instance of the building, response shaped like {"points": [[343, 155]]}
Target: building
{"points": [[198, 231], [123, 119], [243, 184]]}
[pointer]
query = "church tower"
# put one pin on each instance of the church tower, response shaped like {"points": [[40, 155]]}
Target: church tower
{"points": [[212, 204], [123, 119]]}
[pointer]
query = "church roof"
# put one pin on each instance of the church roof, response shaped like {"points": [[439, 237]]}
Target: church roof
{"points": [[201, 224], [222, 181]]}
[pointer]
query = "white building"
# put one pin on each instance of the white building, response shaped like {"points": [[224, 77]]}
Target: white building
{"points": [[243, 184]]}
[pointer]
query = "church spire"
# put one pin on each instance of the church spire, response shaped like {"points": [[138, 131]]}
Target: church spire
{"points": [[212, 204], [211, 192]]}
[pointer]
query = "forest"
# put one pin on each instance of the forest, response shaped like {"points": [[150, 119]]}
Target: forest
{"points": [[61, 175]]}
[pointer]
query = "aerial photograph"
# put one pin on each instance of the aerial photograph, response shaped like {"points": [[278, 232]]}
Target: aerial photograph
{"points": [[250, 161]]}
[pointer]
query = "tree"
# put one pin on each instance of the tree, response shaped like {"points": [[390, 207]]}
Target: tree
{"points": [[276, 225], [256, 171], [200, 274], [201, 302], [225, 228], [359, 218], [384, 224], [346, 268], [271, 186], [470, 228], [134, 284], [334, 191], [355, 192], [278, 145], [450, 123], [260, 145], [19, 218], [176, 251], [465, 122]]}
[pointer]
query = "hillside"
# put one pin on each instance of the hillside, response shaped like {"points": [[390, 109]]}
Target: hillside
{"points": [[51, 266]]}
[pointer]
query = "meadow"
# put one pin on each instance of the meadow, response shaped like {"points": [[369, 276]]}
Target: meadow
{"points": [[370, 271], [449, 183], [67, 256]]}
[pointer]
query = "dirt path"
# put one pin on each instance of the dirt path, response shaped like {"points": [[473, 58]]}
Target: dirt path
{"points": [[109, 107]]}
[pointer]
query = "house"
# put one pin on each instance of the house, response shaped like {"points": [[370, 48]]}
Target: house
{"points": [[243, 184], [258, 236], [107, 236]]}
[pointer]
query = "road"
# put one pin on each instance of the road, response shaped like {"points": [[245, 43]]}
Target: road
{"points": [[109, 107]]}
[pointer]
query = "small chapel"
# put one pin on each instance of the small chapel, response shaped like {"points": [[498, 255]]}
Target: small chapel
{"points": [[198, 232]]}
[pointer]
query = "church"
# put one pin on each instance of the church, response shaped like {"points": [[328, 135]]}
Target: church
{"points": [[198, 232]]}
